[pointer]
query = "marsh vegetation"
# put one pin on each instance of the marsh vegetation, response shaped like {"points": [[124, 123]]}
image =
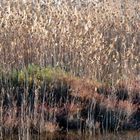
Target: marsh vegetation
{"points": [[69, 66]]}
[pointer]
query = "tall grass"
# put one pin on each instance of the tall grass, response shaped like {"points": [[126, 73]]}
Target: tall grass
{"points": [[98, 40], [93, 40]]}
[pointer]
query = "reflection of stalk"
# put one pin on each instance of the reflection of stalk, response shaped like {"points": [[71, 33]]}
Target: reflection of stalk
{"points": [[42, 108], [35, 105], [22, 120], [1, 112]]}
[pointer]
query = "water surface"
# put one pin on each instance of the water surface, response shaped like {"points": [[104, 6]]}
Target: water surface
{"points": [[76, 136]]}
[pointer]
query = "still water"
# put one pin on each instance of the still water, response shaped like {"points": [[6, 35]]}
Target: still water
{"points": [[73, 136]]}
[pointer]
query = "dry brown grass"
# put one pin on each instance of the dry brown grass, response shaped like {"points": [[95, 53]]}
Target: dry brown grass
{"points": [[98, 41]]}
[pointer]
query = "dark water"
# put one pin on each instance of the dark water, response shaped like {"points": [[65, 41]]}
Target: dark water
{"points": [[74, 136]]}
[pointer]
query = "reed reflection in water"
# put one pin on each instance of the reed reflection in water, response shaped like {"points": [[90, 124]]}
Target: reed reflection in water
{"points": [[75, 136]]}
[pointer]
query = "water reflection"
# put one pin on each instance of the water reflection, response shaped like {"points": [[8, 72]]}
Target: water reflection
{"points": [[74, 136]]}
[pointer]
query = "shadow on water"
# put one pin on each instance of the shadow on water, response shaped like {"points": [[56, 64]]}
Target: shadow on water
{"points": [[76, 136]]}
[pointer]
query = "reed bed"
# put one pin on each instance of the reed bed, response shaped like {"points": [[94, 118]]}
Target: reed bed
{"points": [[69, 65], [98, 40]]}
